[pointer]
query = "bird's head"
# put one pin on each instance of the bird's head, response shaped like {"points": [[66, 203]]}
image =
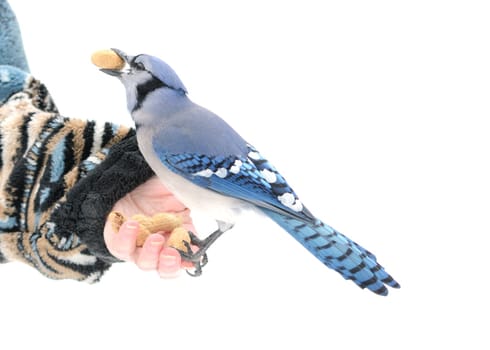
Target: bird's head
{"points": [[143, 74]]}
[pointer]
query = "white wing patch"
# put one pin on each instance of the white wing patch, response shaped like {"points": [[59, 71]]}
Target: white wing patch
{"points": [[254, 155], [221, 172], [290, 201], [205, 173], [287, 199], [269, 176], [235, 168]]}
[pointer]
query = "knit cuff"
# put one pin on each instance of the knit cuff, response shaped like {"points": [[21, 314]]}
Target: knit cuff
{"points": [[90, 201]]}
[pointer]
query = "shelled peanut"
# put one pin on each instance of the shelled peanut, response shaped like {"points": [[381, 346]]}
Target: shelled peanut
{"points": [[107, 59]]}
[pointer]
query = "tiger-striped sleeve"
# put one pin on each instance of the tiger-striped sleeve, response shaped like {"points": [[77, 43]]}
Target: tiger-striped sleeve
{"points": [[43, 157]]}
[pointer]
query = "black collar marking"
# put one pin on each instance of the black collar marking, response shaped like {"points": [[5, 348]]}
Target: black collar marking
{"points": [[144, 89]]}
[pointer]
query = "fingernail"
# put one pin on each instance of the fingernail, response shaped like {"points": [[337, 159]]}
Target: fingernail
{"points": [[132, 225], [168, 260], [157, 242], [129, 227], [171, 266]]}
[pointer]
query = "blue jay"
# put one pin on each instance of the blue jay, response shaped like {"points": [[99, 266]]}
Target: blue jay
{"points": [[211, 168]]}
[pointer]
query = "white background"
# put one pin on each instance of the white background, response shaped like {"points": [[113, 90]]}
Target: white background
{"points": [[375, 111]]}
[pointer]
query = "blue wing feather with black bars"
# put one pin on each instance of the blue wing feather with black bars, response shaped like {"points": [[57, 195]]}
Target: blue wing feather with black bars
{"points": [[255, 180]]}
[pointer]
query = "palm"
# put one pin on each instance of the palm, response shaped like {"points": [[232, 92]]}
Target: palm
{"points": [[149, 198]]}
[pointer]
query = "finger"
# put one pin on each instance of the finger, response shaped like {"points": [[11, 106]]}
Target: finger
{"points": [[148, 256], [123, 243], [169, 263], [173, 204]]}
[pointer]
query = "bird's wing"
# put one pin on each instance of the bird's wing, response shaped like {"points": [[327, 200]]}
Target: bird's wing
{"points": [[251, 178]]}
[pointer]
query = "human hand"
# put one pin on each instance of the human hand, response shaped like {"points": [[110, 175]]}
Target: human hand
{"points": [[149, 198]]}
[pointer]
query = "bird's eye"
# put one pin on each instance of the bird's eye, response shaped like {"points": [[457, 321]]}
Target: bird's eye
{"points": [[138, 65]]}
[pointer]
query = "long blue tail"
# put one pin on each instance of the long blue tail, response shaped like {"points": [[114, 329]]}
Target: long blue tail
{"points": [[338, 252]]}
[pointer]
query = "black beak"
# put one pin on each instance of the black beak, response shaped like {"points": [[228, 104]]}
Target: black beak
{"points": [[113, 72], [117, 72]]}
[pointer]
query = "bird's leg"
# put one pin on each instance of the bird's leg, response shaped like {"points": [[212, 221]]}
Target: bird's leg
{"points": [[199, 257]]}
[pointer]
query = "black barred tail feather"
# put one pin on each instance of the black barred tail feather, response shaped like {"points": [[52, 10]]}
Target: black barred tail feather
{"points": [[337, 252]]}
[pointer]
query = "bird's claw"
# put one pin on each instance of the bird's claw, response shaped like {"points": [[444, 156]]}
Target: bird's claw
{"points": [[199, 257]]}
